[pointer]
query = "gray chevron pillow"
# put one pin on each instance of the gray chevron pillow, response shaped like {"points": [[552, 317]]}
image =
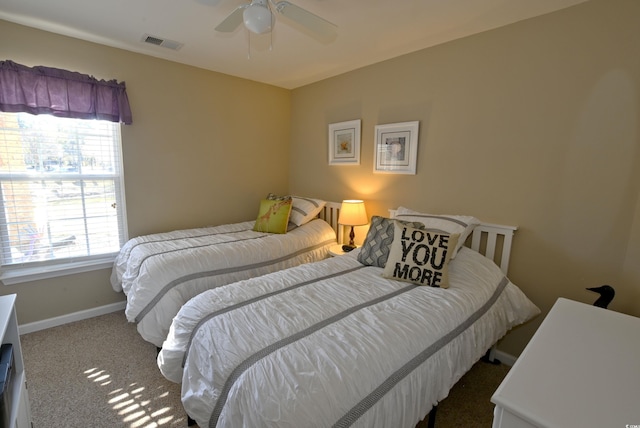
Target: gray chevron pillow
{"points": [[376, 246]]}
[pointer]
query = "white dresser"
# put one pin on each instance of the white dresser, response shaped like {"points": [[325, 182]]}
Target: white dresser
{"points": [[19, 411], [581, 369]]}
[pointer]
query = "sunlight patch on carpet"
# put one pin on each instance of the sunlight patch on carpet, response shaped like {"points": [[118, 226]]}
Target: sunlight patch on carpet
{"points": [[98, 376], [133, 403]]}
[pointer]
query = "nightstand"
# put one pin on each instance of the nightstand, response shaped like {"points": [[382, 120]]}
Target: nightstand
{"points": [[336, 250], [580, 369]]}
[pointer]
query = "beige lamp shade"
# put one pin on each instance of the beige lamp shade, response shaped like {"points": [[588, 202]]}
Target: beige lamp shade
{"points": [[353, 213]]}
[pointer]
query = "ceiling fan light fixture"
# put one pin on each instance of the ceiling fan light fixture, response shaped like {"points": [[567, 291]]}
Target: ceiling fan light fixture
{"points": [[257, 18]]}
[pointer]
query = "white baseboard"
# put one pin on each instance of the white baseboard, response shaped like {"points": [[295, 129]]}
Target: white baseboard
{"points": [[504, 358], [76, 316]]}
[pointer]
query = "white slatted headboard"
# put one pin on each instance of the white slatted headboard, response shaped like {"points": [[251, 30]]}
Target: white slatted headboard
{"points": [[494, 241], [330, 214], [491, 240]]}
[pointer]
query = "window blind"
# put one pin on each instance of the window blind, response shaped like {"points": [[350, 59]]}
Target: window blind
{"points": [[62, 191]]}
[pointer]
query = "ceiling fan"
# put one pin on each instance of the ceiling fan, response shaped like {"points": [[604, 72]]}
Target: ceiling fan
{"points": [[259, 18]]}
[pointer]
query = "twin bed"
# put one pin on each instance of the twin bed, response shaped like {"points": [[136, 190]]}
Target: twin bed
{"points": [[159, 273], [353, 340]]}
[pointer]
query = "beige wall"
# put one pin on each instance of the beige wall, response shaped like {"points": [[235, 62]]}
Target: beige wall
{"points": [[203, 148], [534, 125]]}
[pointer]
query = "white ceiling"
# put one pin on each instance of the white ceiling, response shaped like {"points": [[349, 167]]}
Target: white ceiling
{"points": [[368, 31]]}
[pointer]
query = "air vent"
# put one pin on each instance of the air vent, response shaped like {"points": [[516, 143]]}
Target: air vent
{"points": [[165, 43]]}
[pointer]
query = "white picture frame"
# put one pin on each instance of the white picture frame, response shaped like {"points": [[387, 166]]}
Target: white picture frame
{"points": [[344, 143], [396, 148]]}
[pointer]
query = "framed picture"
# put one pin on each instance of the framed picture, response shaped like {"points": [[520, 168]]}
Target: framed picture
{"points": [[344, 143], [396, 148]]}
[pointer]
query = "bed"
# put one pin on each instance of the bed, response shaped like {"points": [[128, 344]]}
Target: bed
{"points": [[344, 342], [158, 273]]}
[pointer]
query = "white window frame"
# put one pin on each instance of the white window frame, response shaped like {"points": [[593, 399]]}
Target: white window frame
{"points": [[33, 271]]}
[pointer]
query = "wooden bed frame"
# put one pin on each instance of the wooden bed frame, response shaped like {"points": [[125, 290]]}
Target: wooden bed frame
{"points": [[330, 214], [491, 240], [494, 242]]}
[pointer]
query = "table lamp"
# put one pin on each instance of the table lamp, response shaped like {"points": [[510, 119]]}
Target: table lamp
{"points": [[352, 213]]}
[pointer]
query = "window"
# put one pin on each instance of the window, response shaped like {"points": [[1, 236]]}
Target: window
{"points": [[61, 183]]}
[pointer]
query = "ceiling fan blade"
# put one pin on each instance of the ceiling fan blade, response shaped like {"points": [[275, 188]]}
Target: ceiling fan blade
{"points": [[305, 18], [233, 21]]}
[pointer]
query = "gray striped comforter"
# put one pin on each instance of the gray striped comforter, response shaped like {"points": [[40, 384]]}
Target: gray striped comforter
{"points": [[333, 343], [160, 272]]}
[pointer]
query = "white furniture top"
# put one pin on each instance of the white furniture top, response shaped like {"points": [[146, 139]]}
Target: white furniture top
{"points": [[6, 307], [580, 369], [16, 391]]}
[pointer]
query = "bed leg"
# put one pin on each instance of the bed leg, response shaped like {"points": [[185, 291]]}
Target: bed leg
{"points": [[190, 422], [490, 358], [432, 417]]}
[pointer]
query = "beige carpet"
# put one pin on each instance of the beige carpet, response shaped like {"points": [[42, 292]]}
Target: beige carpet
{"points": [[100, 373]]}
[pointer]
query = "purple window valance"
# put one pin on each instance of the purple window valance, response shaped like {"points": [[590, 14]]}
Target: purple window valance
{"points": [[62, 93]]}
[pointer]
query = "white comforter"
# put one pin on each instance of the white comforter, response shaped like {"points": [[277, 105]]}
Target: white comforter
{"points": [[161, 272], [335, 344]]}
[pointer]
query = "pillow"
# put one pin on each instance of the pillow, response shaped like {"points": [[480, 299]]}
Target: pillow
{"points": [[305, 209], [375, 248], [420, 256], [274, 197], [273, 215], [460, 224]]}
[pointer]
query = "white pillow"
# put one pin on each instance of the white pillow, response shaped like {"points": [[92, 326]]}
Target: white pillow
{"points": [[305, 209], [462, 225]]}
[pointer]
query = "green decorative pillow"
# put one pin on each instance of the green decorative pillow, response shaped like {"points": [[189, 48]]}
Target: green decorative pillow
{"points": [[420, 256], [273, 215]]}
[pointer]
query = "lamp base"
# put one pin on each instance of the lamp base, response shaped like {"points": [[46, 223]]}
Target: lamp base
{"points": [[351, 245]]}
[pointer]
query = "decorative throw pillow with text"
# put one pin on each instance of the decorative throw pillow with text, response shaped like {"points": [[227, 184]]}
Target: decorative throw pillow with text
{"points": [[420, 256]]}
